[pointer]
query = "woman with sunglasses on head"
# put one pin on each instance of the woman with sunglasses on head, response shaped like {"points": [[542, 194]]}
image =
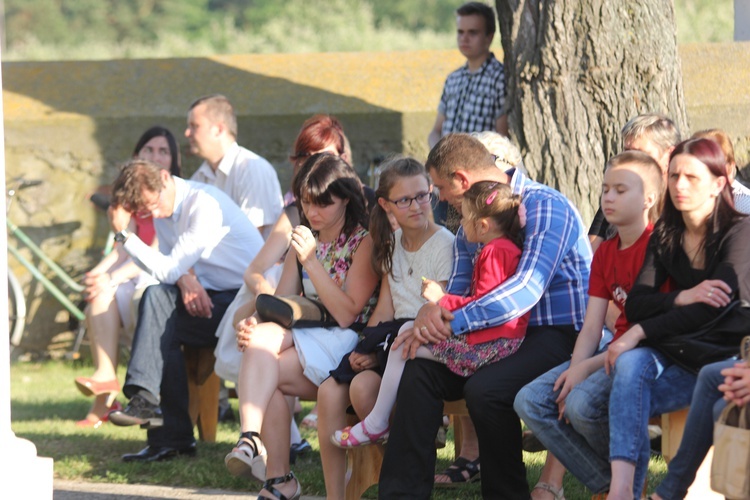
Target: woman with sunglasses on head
{"points": [[111, 286]]}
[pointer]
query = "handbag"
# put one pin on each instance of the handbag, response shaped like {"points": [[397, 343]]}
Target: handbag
{"points": [[714, 341], [293, 311], [730, 468]]}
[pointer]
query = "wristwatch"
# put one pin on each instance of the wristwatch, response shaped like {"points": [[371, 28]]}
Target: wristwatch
{"points": [[121, 236]]}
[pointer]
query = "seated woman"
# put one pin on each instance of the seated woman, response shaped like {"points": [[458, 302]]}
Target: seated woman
{"points": [[419, 248], [718, 384], [319, 134], [111, 286], [330, 259]]}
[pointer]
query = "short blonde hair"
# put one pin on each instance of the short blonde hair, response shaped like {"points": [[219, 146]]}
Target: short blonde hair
{"points": [[658, 129], [505, 152]]}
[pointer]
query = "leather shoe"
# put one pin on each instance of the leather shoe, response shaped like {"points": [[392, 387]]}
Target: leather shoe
{"points": [[159, 453], [138, 412], [90, 387]]}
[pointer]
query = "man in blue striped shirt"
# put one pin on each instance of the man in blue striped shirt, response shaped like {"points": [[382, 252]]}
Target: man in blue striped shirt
{"points": [[551, 281]]}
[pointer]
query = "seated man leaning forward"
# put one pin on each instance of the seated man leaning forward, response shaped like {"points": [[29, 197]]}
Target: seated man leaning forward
{"points": [[550, 281], [205, 242]]}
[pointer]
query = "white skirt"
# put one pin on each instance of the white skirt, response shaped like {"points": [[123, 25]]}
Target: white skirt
{"points": [[320, 350]]}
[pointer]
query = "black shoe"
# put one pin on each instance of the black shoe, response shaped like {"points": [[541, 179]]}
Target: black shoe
{"points": [[159, 453], [138, 412], [298, 449], [226, 414]]}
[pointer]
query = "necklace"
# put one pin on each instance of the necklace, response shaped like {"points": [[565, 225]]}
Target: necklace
{"points": [[420, 240]]}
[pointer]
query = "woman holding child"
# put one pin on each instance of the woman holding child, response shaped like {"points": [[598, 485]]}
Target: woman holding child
{"points": [[330, 259], [698, 251]]}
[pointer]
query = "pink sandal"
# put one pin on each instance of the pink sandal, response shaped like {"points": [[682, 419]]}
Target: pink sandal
{"points": [[345, 439]]}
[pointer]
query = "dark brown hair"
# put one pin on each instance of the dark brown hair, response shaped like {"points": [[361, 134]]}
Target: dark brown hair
{"points": [[135, 176], [324, 176], [496, 201]]}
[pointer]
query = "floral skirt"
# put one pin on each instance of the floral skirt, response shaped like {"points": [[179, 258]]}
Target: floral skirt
{"points": [[465, 359]]}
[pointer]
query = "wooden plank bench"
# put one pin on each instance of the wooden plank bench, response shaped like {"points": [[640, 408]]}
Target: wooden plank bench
{"points": [[203, 388]]}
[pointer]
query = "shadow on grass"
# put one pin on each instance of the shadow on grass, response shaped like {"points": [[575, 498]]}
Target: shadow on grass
{"points": [[48, 410]]}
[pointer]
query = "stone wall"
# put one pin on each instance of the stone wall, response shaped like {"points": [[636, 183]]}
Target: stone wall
{"points": [[71, 123]]}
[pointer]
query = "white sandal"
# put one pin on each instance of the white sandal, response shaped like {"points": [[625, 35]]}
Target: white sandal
{"points": [[248, 458], [541, 485]]}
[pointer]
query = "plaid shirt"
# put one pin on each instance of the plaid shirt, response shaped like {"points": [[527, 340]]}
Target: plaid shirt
{"points": [[472, 102], [741, 197], [552, 278]]}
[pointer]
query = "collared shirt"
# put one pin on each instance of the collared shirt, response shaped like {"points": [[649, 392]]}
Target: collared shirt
{"points": [[472, 102], [741, 197], [206, 232], [250, 181], [552, 277]]}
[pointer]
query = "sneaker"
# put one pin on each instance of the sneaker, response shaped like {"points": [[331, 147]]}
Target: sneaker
{"points": [[298, 449], [138, 412]]}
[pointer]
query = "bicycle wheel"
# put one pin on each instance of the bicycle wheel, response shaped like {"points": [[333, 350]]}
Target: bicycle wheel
{"points": [[16, 310]]}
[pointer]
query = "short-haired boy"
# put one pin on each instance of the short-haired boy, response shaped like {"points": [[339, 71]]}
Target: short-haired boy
{"points": [[567, 408]]}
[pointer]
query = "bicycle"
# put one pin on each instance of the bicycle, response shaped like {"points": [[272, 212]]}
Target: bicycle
{"points": [[16, 298]]}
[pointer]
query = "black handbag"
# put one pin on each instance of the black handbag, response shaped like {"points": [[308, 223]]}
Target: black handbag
{"points": [[293, 311], [716, 341]]}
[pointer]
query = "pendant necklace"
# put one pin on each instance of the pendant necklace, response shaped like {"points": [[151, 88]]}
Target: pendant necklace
{"points": [[410, 272]]}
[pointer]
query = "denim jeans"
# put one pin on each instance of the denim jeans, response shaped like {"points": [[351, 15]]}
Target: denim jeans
{"points": [[156, 361], [698, 436], [582, 444], [645, 383], [608, 415]]}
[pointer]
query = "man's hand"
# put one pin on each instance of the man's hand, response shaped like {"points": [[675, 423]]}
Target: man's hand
{"points": [[431, 326], [119, 218], [194, 296]]}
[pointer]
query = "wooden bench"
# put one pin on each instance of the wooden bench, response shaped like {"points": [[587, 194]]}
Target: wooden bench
{"points": [[363, 463], [203, 388]]}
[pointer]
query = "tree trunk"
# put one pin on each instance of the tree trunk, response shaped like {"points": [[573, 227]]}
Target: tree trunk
{"points": [[577, 72]]}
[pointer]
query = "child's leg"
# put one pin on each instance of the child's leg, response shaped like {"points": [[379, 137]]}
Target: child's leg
{"points": [[377, 421]]}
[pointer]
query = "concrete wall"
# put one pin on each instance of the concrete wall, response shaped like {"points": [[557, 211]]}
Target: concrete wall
{"points": [[71, 123]]}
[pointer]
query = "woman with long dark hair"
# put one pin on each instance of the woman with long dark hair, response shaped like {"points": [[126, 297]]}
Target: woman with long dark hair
{"points": [[329, 260]]}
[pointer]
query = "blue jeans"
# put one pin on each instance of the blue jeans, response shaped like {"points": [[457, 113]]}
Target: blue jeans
{"points": [[645, 383], [698, 436], [608, 415], [156, 361], [582, 443]]}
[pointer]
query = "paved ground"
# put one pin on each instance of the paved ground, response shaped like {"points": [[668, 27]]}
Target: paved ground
{"points": [[71, 490]]}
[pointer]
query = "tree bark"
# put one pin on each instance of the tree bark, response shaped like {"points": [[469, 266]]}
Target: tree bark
{"points": [[577, 72]]}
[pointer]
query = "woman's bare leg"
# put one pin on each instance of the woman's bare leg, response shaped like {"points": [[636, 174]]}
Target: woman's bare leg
{"points": [[333, 400]]}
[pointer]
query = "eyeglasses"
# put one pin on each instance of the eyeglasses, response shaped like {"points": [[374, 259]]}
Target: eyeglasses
{"points": [[146, 212], [421, 199]]}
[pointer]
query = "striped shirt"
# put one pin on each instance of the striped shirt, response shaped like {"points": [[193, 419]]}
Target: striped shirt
{"points": [[552, 278]]}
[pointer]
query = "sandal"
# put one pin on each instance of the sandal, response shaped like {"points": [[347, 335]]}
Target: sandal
{"points": [[345, 439], [277, 495], [248, 458], [310, 421], [541, 485], [455, 473]]}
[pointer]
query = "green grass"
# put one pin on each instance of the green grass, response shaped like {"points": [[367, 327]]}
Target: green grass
{"points": [[45, 405]]}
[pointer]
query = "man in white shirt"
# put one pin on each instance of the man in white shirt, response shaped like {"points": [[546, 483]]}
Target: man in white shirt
{"points": [[246, 177], [205, 244]]}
